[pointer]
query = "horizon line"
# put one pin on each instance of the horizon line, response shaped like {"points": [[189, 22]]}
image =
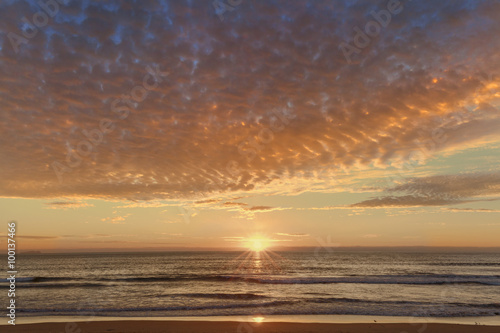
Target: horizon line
{"points": [[291, 249]]}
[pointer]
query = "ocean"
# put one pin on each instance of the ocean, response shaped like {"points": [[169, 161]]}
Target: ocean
{"points": [[258, 283]]}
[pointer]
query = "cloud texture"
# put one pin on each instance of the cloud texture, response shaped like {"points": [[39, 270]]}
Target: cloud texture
{"points": [[262, 99], [440, 190]]}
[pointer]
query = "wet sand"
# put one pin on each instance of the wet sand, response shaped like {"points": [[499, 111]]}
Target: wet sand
{"points": [[242, 327]]}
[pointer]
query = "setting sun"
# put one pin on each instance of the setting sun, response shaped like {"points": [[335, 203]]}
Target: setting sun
{"points": [[257, 244]]}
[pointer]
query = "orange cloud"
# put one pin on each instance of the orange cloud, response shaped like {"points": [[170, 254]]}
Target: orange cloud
{"points": [[439, 191], [288, 106], [67, 205]]}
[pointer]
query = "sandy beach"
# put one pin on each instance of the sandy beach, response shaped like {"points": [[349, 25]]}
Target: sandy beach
{"points": [[220, 327]]}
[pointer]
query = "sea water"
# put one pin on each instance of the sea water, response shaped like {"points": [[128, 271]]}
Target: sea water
{"points": [[258, 283]]}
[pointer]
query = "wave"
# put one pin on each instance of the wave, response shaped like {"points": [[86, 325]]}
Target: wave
{"points": [[246, 296], [43, 279], [419, 279], [474, 264], [407, 303], [65, 285], [288, 307], [376, 279], [168, 308]]}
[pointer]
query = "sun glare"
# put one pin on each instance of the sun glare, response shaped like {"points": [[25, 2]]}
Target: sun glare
{"points": [[257, 244]]}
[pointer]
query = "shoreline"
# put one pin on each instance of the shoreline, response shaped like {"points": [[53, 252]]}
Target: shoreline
{"points": [[152, 326], [306, 319]]}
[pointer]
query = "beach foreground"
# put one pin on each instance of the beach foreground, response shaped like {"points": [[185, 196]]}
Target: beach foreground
{"points": [[239, 327]]}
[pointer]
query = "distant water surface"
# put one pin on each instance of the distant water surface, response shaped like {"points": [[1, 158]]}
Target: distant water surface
{"points": [[283, 283]]}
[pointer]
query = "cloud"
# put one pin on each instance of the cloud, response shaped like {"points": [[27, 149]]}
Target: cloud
{"points": [[453, 186], [472, 210], [327, 208], [85, 236], [234, 204], [234, 239], [406, 201], [37, 237], [115, 219], [249, 213], [207, 201], [260, 208], [261, 106], [98, 235], [291, 235], [370, 236], [439, 191], [89, 236], [153, 204], [67, 205], [242, 209]]}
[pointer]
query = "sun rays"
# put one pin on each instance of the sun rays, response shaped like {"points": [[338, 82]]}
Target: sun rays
{"points": [[258, 259], [257, 244]]}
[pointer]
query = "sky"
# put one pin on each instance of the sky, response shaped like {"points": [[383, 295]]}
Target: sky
{"points": [[197, 124]]}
